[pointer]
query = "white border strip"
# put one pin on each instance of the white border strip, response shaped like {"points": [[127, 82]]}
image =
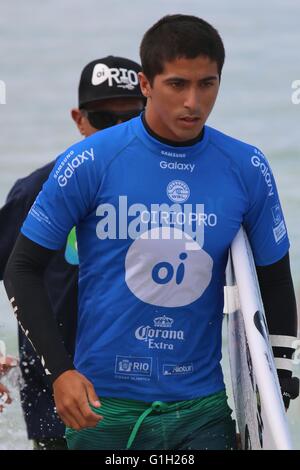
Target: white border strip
{"points": [[281, 341], [283, 363]]}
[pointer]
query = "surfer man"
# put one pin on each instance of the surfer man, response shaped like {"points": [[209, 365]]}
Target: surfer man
{"points": [[146, 373]]}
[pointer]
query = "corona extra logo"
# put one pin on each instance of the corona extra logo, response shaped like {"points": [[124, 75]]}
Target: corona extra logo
{"points": [[163, 322]]}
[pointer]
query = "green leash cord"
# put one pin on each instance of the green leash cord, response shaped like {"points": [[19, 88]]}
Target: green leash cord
{"points": [[158, 407]]}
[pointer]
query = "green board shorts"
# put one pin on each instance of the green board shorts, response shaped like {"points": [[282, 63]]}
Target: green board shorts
{"points": [[199, 424]]}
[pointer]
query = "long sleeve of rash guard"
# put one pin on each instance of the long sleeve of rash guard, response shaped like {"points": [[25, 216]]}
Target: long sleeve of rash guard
{"points": [[23, 280], [279, 301]]}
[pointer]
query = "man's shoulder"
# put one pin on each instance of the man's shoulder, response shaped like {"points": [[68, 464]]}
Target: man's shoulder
{"points": [[112, 140], [231, 146], [31, 184], [100, 148], [248, 160]]}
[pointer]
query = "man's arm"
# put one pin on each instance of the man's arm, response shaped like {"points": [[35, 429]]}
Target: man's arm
{"points": [[6, 363], [23, 280], [279, 301], [61, 205], [5, 398], [266, 229]]}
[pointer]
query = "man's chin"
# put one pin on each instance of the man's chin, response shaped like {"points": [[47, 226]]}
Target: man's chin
{"points": [[183, 135]]}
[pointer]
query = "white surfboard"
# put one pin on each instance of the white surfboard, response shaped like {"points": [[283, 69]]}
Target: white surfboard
{"points": [[260, 412]]}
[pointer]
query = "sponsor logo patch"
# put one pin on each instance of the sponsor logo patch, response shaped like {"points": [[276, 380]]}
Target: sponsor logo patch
{"points": [[129, 365], [172, 154], [178, 191], [276, 213], [177, 369], [260, 162], [119, 77], [177, 166], [69, 164], [279, 231]]}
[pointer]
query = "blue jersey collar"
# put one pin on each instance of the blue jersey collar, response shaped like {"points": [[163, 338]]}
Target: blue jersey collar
{"points": [[164, 149]]}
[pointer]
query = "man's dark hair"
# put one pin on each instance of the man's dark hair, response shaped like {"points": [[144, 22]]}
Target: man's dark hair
{"points": [[179, 36]]}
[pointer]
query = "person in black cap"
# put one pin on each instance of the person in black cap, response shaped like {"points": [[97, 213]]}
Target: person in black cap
{"points": [[109, 93]]}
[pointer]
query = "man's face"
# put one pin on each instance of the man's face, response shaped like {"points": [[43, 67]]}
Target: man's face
{"points": [[181, 98], [112, 105]]}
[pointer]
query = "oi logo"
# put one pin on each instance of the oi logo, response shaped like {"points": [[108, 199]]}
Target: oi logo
{"points": [[161, 271]]}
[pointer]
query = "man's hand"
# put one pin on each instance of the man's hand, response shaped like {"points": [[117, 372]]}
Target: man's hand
{"points": [[72, 395], [6, 363], [4, 397], [289, 389]]}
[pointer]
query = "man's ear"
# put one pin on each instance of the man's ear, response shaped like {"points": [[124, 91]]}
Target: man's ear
{"points": [[145, 85], [78, 119]]}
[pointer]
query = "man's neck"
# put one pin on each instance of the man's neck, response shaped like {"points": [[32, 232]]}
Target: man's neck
{"points": [[173, 143]]}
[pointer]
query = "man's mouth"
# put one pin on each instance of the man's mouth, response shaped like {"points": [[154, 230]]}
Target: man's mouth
{"points": [[189, 120]]}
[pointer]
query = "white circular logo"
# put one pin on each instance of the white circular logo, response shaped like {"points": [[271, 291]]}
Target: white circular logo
{"points": [[167, 268], [178, 191], [100, 73]]}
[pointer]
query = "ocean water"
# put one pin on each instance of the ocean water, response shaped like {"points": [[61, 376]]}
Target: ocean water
{"points": [[44, 46]]}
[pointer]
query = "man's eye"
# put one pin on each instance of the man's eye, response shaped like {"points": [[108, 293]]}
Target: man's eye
{"points": [[206, 84], [177, 85]]}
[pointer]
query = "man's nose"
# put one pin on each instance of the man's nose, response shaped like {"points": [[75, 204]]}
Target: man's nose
{"points": [[192, 100]]}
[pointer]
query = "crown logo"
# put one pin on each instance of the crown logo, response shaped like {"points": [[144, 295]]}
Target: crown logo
{"points": [[163, 322]]}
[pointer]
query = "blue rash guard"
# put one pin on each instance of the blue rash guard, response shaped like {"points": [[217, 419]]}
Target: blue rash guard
{"points": [[154, 224]]}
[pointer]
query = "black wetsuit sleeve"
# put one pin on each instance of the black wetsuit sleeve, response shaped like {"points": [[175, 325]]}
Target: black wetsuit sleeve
{"points": [[23, 280], [279, 301]]}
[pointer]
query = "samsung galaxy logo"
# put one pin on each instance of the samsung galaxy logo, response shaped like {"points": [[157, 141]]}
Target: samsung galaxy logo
{"points": [[70, 167], [177, 166], [265, 171], [173, 154]]}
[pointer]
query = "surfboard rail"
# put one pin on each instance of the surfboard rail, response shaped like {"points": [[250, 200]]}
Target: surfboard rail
{"points": [[260, 410]]}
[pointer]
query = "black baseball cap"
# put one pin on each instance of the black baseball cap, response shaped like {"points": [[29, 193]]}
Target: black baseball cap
{"points": [[110, 77]]}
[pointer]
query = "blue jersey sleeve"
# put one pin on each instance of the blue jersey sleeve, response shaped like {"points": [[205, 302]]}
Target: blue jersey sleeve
{"points": [[264, 220], [65, 197]]}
